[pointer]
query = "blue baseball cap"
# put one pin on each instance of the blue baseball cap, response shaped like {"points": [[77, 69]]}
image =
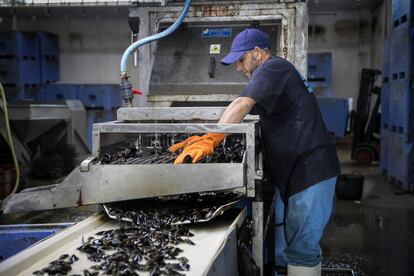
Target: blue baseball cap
{"points": [[245, 41]]}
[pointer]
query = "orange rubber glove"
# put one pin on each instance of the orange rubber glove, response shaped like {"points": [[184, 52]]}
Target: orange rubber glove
{"points": [[200, 148], [183, 144]]}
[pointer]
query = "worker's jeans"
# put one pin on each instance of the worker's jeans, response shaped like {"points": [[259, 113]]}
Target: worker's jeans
{"points": [[307, 214]]}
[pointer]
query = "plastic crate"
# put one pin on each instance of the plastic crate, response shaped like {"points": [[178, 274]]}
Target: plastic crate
{"points": [[60, 92], [320, 73], [106, 96], [401, 108], [19, 73], [384, 141], [15, 94], [102, 96], [15, 238], [386, 60], [48, 46], [49, 71], [335, 114], [18, 45], [385, 105], [400, 162], [402, 12], [31, 93], [402, 53]]}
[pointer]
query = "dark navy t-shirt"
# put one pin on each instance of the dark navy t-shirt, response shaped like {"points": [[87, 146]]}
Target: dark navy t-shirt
{"points": [[298, 149]]}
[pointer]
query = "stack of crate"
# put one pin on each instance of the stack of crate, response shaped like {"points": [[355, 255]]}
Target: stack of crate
{"points": [[397, 136], [28, 61], [19, 65], [100, 100], [48, 57], [320, 73]]}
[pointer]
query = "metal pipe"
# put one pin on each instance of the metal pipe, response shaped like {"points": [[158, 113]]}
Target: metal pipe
{"points": [[126, 86], [146, 40]]}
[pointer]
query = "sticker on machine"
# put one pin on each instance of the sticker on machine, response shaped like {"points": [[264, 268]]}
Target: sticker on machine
{"points": [[215, 49], [216, 32]]}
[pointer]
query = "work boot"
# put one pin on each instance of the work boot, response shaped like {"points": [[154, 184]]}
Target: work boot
{"points": [[304, 270]]}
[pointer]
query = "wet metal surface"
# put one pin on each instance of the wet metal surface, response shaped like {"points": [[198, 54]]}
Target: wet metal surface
{"points": [[376, 235]]}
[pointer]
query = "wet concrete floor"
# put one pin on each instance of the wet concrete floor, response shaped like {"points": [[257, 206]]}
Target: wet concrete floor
{"points": [[374, 236]]}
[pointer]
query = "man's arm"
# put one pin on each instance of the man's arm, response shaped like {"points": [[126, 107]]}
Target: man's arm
{"points": [[237, 110], [197, 147]]}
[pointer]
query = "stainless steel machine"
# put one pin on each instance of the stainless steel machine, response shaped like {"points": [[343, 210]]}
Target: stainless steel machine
{"points": [[94, 182], [178, 75], [184, 68]]}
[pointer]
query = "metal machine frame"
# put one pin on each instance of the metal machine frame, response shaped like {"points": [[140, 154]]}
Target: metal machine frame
{"points": [[293, 36], [145, 180], [92, 182]]}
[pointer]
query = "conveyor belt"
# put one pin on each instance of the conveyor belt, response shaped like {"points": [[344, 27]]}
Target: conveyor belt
{"points": [[210, 240]]}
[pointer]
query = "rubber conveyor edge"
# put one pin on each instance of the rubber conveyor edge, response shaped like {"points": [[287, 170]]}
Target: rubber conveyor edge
{"points": [[214, 252]]}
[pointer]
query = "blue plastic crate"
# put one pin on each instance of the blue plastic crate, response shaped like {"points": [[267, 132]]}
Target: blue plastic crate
{"points": [[31, 93], [20, 73], [401, 162], [106, 96], [320, 73], [103, 96], [61, 91], [401, 108], [48, 46], [15, 94], [335, 114], [386, 60], [385, 104], [384, 140], [402, 12], [18, 45], [402, 53], [49, 71], [15, 238]]}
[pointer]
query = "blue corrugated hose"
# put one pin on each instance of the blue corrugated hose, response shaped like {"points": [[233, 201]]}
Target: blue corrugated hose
{"points": [[146, 40]]}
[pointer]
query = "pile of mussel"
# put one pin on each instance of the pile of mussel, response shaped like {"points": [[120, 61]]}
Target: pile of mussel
{"points": [[151, 243], [60, 266], [185, 208], [148, 247]]}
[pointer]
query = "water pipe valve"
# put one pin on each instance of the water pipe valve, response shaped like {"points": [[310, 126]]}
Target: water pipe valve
{"points": [[126, 92]]}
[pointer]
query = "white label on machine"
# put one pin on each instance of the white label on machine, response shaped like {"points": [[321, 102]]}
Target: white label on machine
{"points": [[215, 48]]}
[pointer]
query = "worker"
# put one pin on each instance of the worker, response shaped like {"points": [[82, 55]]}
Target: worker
{"points": [[300, 155]]}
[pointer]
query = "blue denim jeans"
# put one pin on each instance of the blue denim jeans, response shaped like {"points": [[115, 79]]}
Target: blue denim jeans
{"points": [[307, 214]]}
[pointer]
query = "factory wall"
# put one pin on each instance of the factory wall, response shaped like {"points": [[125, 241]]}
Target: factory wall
{"points": [[90, 48], [354, 39]]}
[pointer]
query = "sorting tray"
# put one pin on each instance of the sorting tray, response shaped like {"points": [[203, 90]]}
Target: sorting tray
{"points": [[213, 213]]}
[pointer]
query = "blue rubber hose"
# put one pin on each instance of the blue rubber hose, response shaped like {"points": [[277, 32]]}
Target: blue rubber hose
{"points": [[146, 40]]}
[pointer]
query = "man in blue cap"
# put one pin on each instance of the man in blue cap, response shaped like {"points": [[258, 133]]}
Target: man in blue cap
{"points": [[300, 156]]}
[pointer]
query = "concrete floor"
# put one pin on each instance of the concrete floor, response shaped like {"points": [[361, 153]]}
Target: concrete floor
{"points": [[376, 235]]}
